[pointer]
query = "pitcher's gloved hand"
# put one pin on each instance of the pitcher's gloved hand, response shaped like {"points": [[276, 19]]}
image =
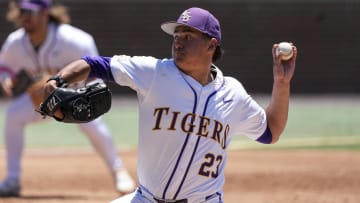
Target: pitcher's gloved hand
{"points": [[77, 105]]}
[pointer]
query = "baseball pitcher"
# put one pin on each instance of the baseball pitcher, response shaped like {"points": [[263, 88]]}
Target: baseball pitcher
{"points": [[188, 110]]}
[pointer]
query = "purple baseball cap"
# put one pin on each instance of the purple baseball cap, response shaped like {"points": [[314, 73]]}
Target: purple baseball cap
{"points": [[35, 5], [198, 19]]}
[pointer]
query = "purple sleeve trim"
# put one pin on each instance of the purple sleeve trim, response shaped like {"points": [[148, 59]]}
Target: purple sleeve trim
{"points": [[100, 67], [266, 137]]}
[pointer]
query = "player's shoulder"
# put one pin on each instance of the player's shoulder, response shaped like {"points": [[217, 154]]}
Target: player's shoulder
{"points": [[232, 82], [122, 58], [70, 29], [147, 64], [136, 60], [15, 38], [71, 33]]}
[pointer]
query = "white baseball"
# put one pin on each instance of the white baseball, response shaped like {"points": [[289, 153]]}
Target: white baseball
{"points": [[286, 50]]}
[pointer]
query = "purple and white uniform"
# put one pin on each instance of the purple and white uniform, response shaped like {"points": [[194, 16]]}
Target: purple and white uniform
{"points": [[185, 128], [64, 43]]}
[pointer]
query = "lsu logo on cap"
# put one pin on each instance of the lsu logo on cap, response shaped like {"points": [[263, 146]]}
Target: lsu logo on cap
{"points": [[185, 16]]}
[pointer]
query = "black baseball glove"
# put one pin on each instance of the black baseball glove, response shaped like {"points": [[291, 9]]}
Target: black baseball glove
{"points": [[23, 80], [79, 105]]}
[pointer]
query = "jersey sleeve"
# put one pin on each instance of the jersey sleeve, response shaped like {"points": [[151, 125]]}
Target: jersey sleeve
{"points": [[10, 51], [249, 116], [100, 67], [5, 57], [136, 72], [253, 119]]}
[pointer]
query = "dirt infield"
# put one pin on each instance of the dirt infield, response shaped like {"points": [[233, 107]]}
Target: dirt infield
{"points": [[253, 176]]}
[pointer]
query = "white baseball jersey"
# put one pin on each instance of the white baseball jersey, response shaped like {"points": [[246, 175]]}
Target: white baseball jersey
{"points": [[63, 44], [185, 128]]}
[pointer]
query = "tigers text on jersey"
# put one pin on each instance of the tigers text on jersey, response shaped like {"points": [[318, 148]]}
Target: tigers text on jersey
{"points": [[185, 128]]}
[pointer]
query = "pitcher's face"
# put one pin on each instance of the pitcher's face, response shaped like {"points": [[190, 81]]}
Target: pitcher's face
{"points": [[189, 45]]}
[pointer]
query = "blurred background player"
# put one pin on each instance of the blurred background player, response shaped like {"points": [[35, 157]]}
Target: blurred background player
{"points": [[43, 44]]}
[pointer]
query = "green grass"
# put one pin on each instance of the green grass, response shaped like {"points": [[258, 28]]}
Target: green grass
{"points": [[314, 123], [317, 123]]}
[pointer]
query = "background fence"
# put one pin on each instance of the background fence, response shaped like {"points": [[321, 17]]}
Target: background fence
{"points": [[327, 34]]}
